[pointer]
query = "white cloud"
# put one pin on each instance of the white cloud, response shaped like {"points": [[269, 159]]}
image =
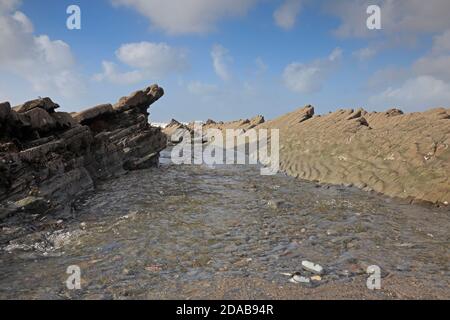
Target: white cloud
{"points": [[221, 59], [425, 84], [26, 24], [111, 74], [415, 94], [399, 16], [187, 16], [149, 61], [436, 66], [309, 78], [47, 65], [286, 15], [156, 58], [8, 5]]}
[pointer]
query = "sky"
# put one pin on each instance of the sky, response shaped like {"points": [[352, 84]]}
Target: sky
{"points": [[228, 59]]}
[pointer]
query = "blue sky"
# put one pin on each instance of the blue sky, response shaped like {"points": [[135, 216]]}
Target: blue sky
{"points": [[228, 59]]}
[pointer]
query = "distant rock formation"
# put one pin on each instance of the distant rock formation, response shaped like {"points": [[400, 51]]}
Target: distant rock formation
{"points": [[48, 158], [174, 131], [245, 124], [406, 156]]}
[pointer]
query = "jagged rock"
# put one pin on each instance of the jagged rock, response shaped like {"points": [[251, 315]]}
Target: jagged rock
{"points": [[363, 121], [135, 99], [63, 155], [5, 109], [154, 91], [255, 122], [308, 113], [175, 131], [87, 115], [64, 120], [394, 112], [139, 99], [40, 120], [44, 103], [173, 123], [18, 120]]}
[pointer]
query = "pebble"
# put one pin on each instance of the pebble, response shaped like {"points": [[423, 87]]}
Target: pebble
{"points": [[299, 279], [316, 278], [274, 204], [310, 266]]}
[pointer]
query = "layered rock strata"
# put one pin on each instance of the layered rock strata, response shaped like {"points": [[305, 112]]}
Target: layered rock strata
{"points": [[48, 158]]}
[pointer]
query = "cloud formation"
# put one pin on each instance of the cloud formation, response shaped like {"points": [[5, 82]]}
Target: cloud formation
{"points": [[415, 94], [148, 61], [221, 59], [286, 15], [45, 64], [310, 77], [187, 16], [398, 16], [425, 84]]}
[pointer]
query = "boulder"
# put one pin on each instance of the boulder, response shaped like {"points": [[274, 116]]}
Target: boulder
{"points": [[140, 99], [5, 109], [40, 120], [18, 120], [90, 114], [394, 112], [257, 120], [307, 113], [136, 99], [155, 92], [44, 103], [64, 120]]}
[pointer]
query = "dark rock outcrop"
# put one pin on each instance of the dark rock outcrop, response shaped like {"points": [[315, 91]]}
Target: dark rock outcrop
{"points": [[49, 158]]}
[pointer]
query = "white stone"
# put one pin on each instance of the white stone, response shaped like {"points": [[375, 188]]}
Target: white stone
{"points": [[310, 266]]}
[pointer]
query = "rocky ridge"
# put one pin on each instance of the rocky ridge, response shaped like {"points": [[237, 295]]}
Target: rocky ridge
{"points": [[48, 158], [405, 156]]}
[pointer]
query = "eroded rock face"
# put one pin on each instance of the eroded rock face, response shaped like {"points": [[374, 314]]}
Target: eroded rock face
{"points": [[55, 156], [401, 155], [406, 156], [43, 103]]}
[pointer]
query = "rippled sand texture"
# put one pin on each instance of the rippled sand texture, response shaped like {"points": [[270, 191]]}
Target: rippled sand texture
{"points": [[401, 155]]}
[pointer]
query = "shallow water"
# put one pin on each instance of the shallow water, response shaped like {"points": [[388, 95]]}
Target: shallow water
{"points": [[140, 234]]}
